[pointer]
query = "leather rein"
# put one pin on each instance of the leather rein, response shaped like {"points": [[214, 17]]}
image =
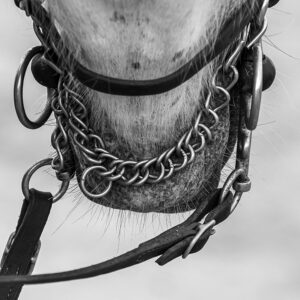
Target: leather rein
{"points": [[255, 72]]}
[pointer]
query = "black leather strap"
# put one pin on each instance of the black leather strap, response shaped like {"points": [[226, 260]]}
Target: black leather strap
{"points": [[115, 86], [168, 245], [228, 33], [23, 246]]}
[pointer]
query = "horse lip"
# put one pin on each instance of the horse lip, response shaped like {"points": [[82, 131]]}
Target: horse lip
{"points": [[208, 186], [211, 181]]}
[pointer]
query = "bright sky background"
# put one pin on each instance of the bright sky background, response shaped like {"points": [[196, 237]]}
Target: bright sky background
{"points": [[253, 256]]}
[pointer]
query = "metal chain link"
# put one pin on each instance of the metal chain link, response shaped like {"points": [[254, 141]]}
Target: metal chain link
{"points": [[238, 179], [71, 117], [73, 127]]}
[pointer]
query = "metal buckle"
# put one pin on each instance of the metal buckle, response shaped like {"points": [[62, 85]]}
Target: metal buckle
{"points": [[202, 229], [8, 247]]}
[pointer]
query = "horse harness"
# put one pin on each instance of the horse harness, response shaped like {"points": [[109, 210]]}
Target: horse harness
{"points": [[247, 71]]}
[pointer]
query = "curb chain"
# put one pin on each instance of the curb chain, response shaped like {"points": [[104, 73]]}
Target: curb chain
{"points": [[72, 124], [71, 116]]}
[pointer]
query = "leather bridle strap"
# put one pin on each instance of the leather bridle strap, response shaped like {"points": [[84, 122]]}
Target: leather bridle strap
{"points": [[114, 86], [228, 33], [168, 245], [23, 245]]}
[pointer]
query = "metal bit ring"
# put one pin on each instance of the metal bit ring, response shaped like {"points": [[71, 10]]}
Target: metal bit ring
{"points": [[27, 176], [232, 178], [202, 229], [252, 114], [18, 93], [83, 181]]}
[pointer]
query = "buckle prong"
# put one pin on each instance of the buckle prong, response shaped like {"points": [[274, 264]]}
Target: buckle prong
{"points": [[203, 228]]}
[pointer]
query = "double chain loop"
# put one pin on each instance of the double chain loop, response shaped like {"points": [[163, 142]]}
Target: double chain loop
{"points": [[73, 129], [250, 106], [71, 116]]}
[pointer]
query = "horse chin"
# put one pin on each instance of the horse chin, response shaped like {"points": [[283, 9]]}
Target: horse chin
{"points": [[181, 192]]}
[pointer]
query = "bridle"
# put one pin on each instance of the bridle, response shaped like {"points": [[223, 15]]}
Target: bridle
{"points": [[244, 75]]}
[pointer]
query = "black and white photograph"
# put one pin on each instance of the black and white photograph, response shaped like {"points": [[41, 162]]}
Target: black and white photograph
{"points": [[150, 149]]}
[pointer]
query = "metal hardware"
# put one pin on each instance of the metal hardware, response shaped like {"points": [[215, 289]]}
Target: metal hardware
{"points": [[263, 12], [72, 125], [18, 93], [72, 128], [260, 25], [27, 176], [238, 50], [202, 228], [83, 182], [150, 171], [252, 114], [259, 35]]}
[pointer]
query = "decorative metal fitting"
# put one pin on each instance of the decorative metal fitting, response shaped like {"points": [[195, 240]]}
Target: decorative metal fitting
{"points": [[18, 93], [253, 109], [27, 176], [202, 229]]}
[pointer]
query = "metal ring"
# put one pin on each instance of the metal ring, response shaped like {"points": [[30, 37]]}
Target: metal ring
{"points": [[236, 200], [117, 176], [259, 36], [227, 96], [192, 153], [252, 113], [216, 118], [160, 177], [229, 183], [180, 166], [27, 176], [18, 93], [207, 131], [236, 76], [263, 12], [143, 179], [199, 145], [170, 170], [83, 179], [131, 180], [202, 229], [231, 61]]}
